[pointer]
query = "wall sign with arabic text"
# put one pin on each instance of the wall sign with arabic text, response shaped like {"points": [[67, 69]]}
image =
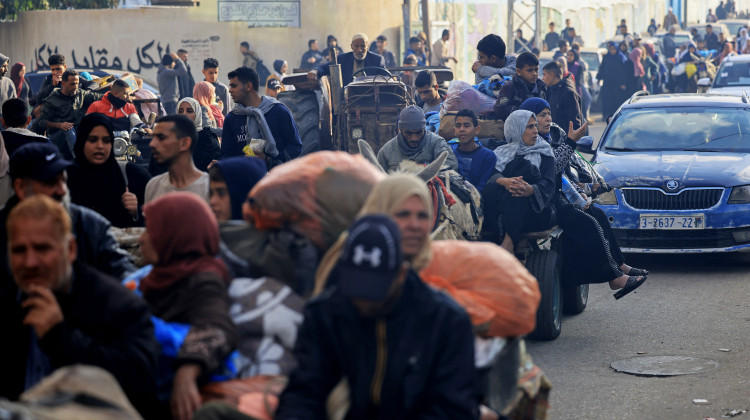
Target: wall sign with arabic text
{"points": [[261, 13]]}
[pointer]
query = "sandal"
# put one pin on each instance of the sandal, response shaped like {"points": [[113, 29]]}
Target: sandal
{"points": [[637, 272], [630, 285]]}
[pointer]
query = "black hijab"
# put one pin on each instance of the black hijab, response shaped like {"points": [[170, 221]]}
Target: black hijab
{"points": [[98, 187]]}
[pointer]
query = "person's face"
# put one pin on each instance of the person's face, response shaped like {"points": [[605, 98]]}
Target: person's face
{"points": [[187, 110], [332, 43], [22, 72], [4, 68], [220, 201], [413, 137], [549, 78], [359, 48], [165, 146], [183, 56], [488, 60], [211, 75], [314, 46], [465, 130], [239, 91], [381, 45], [39, 254], [273, 92], [552, 27], [413, 219], [529, 136], [612, 49], [57, 70], [544, 121], [528, 73], [284, 68], [98, 145], [636, 43], [122, 94], [709, 29], [570, 57], [624, 47], [447, 36], [518, 34], [374, 309], [564, 48], [148, 251], [429, 94], [567, 22], [243, 49], [55, 188], [623, 30], [69, 86]]}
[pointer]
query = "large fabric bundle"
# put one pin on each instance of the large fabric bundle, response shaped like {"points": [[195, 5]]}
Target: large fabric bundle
{"points": [[462, 95], [494, 288], [316, 196]]}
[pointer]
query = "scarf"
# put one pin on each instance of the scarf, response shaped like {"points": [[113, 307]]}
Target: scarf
{"points": [[256, 122], [404, 145], [278, 65], [649, 49], [115, 101], [617, 56], [185, 235], [15, 76], [515, 126], [742, 41], [635, 56], [198, 121], [240, 174]]}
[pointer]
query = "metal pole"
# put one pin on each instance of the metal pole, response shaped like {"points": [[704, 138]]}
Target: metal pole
{"points": [[509, 44], [426, 23], [407, 23], [538, 30]]}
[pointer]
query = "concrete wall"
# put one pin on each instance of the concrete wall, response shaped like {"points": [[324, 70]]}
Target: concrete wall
{"points": [[135, 39]]}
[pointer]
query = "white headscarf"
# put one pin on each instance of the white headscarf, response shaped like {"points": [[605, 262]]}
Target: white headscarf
{"points": [[742, 41], [197, 109], [515, 126]]}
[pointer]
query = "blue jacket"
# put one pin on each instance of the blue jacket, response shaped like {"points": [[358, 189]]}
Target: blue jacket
{"points": [[347, 65], [428, 346]]}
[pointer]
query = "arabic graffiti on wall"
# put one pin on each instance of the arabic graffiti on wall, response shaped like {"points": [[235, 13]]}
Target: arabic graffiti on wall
{"points": [[147, 57]]}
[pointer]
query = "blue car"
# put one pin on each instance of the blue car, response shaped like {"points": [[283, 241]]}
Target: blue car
{"points": [[679, 166]]}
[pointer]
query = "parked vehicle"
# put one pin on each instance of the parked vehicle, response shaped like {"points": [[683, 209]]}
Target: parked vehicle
{"points": [[678, 165], [36, 79], [734, 25], [718, 27], [732, 78]]}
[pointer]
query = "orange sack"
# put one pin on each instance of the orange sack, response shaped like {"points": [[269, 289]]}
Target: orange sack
{"points": [[494, 288], [317, 196]]}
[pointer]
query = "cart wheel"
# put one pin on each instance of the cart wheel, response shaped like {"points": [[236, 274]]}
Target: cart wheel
{"points": [[575, 299], [544, 265]]}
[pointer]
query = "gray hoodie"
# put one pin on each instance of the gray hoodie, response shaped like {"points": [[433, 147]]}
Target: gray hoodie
{"points": [[392, 154], [7, 89], [487, 71], [167, 79]]}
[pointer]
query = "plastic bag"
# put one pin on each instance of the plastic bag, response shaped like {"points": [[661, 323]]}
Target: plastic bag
{"points": [[491, 86], [462, 95], [679, 69], [494, 288], [316, 196]]}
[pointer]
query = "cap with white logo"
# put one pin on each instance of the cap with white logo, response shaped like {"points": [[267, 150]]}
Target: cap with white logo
{"points": [[371, 258], [38, 161]]}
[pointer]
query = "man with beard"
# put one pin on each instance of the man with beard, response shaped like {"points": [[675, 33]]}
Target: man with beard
{"points": [[351, 62], [38, 168], [7, 89]]}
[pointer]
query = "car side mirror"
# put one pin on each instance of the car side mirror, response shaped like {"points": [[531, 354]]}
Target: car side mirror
{"points": [[585, 144], [704, 82]]}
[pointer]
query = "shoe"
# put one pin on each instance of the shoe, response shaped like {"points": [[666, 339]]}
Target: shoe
{"points": [[630, 285], [637, 272]]}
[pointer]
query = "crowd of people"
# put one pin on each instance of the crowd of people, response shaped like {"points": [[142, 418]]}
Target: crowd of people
{"points": [[369, 321]]}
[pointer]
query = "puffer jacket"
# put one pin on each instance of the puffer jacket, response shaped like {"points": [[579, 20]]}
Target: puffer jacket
{"points": [[122, 118], [427, 344], [390, 155]]}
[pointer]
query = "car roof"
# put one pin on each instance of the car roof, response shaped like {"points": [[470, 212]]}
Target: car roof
{"points": [[737, 58], [734, 21], [672, 100]]}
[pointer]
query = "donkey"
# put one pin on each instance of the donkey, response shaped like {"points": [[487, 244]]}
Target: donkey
{"points": [[456, 202]]}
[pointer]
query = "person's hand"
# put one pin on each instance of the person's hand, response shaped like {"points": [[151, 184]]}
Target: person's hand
{"points": [[65, 126], [577, 134], [260, 154], [44, 311], [37, 111], [213, 162], [220, 104], [311, 60], [146, 130], [130, 202], [475, 66], [175, 56], [588, 203], [312, 76], [185, 398], [521, 188]]}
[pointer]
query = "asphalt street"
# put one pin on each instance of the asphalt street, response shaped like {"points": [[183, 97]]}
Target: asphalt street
{"points": [[691, 305]]}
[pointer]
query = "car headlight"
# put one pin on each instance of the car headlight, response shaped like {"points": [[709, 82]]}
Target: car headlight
{"points": [[607, 199], [740, 195]]}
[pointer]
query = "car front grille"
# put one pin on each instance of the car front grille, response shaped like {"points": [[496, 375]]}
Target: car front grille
{"points": [[687, 199], [675, 239]]}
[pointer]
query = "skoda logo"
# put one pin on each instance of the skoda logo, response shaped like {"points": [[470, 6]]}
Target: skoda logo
{"points": [[672, 185]]}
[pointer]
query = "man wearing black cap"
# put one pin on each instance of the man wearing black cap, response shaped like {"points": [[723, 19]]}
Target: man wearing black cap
{"points": [[406, 350], [38, 168], [414, 143]]}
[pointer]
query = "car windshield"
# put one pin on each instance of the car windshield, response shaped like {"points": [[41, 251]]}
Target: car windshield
{"points": [[592, 59], [734, 27], [733, 74], [680, 128]]}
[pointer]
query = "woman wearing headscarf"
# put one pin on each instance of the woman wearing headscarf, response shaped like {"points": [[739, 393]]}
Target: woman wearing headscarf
{"points": [[230, 182], [205, 94], [590, 251], [574, 68], [17, 75], [652, 77], [688, 56], [637, 71], [741, 42], [188, 285], [99, 182], [517, 198], [612, 72], [726, 49], [208, 148]]}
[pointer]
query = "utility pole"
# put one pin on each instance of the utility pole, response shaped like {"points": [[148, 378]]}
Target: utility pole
{"points": [[426, 24], [407, 23]]}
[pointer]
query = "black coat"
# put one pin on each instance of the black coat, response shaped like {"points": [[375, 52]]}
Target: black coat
{"points": [[104, 325], [430, 358], [207, 149], [512, 95], [565, 103], [347, 65], [613, 74]]}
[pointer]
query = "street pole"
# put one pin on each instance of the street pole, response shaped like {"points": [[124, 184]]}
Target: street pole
{"points": [[510, 45], [407, 23], [538, 23], [426, 23]]}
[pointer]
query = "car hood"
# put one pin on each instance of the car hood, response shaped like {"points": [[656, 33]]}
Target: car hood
{"points": [[730, 90], [689, 169]]}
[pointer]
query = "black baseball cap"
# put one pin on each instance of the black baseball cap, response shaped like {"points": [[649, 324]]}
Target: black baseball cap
{"points": [[38, 161], [273, 84], [371, 258]]}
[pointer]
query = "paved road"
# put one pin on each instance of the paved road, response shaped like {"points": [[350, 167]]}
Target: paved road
{"points": [[691, 305]]}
